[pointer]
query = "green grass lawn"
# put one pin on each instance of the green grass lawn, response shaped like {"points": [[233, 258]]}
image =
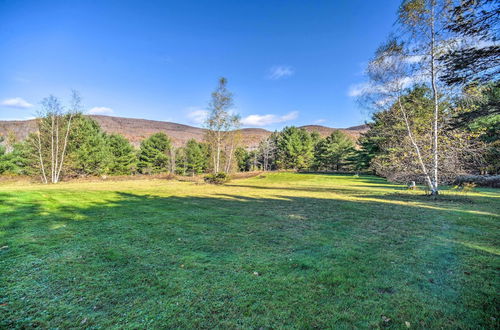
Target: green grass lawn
{"points": [[280, 251]]}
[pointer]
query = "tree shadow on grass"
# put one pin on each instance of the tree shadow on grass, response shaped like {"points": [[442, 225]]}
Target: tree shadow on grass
{"points": [[237, 261]]}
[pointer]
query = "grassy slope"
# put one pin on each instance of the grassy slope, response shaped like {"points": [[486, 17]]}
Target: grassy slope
{"points": [[330, 251]]}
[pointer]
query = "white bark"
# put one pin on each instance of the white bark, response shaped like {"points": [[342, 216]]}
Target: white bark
{"points": [[40, 157], [66, 137], [415, 146], [435, 133]]}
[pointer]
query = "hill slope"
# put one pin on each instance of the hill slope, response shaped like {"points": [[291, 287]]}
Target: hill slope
{"points": [[135, 130]]}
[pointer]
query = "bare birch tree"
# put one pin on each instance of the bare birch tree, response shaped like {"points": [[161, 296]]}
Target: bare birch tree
{"points": [[267, 151], [54, 125], [220, 124], [390, 74], [423, 25]]}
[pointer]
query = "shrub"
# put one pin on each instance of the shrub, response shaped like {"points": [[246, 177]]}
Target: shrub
{"points": [[217, 178]]}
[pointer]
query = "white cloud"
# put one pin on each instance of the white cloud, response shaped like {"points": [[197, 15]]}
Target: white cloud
{"points": [[265, 120], [197, 115], [100, 111], [366, 88], [319, 121], [280, 71], [358, 89], [16, 102]]}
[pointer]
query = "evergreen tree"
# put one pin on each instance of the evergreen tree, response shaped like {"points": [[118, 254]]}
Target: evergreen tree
{"points": [[4, 162], [88, 151], [475, 23], [333, 152], [197, 155], [181, 163], [295, 149], [243, 159], [154, 154], [481, 116], [368, 149], [122, 155]]}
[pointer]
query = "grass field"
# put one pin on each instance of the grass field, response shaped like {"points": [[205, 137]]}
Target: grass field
{"points": [[284, 250]]}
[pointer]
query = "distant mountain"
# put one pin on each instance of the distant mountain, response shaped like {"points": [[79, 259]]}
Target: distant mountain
{"points": [[136, 130]]}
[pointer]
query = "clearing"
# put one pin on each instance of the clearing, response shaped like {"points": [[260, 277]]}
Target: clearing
{"points": [[279, 250]]}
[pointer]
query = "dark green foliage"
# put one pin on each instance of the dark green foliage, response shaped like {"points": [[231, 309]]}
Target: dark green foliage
{"points": [[243, 159], [5, 162], [196, 157], [391, 152], [368, 149], [191, 159], [17, 161], [154, 154], [180, 161], [295, 149], [484, 114], [88, 148], [217, 178], [122, 155], [334, 152], [482, 117], [474, 19]]}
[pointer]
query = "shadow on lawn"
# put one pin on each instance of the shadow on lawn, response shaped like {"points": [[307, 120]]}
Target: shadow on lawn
{"points": [[199, 256]]}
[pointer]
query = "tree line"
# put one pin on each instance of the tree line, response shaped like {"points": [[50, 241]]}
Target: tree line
{"points": [[432, 86], [89, 151]]}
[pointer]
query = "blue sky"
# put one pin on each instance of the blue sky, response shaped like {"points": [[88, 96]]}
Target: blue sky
{"points": [[288, 62]]}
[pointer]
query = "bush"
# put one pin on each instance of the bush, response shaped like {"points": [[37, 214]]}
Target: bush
{"points": [[492, 181], [217, 178]]}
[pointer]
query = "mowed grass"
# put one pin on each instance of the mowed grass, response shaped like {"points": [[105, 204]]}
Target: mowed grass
{"points": [[281, 251]]}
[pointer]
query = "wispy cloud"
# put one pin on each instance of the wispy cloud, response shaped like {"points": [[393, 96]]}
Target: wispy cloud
{"points": [[197, 115], [280, 71], [319, 121], [100, 111], [16, 102], [358, 89], [365, 88], [265, 120]]}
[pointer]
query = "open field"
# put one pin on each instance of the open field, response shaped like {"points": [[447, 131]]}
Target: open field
{"points": [[284, 250]]}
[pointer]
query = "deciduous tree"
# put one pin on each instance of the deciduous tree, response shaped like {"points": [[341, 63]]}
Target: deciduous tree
{"points": [[221, 125]]}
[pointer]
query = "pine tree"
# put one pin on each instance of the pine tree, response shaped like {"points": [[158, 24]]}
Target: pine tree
{"points": [[295, 149], [333, 152], [154, 154], [122, 156], [196, 157], [88, 149]]}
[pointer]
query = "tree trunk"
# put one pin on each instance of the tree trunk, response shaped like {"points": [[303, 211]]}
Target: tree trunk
{"points": [[57, 150], [52, 148], [434, 190], [42, 167], [65, 144], [217, 162], [415, 145]]}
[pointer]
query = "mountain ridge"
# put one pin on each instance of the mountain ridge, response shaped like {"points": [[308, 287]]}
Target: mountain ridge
{"points": [[137, 129]]}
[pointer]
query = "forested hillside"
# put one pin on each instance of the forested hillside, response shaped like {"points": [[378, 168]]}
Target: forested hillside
{"points": [[136, 130]]}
